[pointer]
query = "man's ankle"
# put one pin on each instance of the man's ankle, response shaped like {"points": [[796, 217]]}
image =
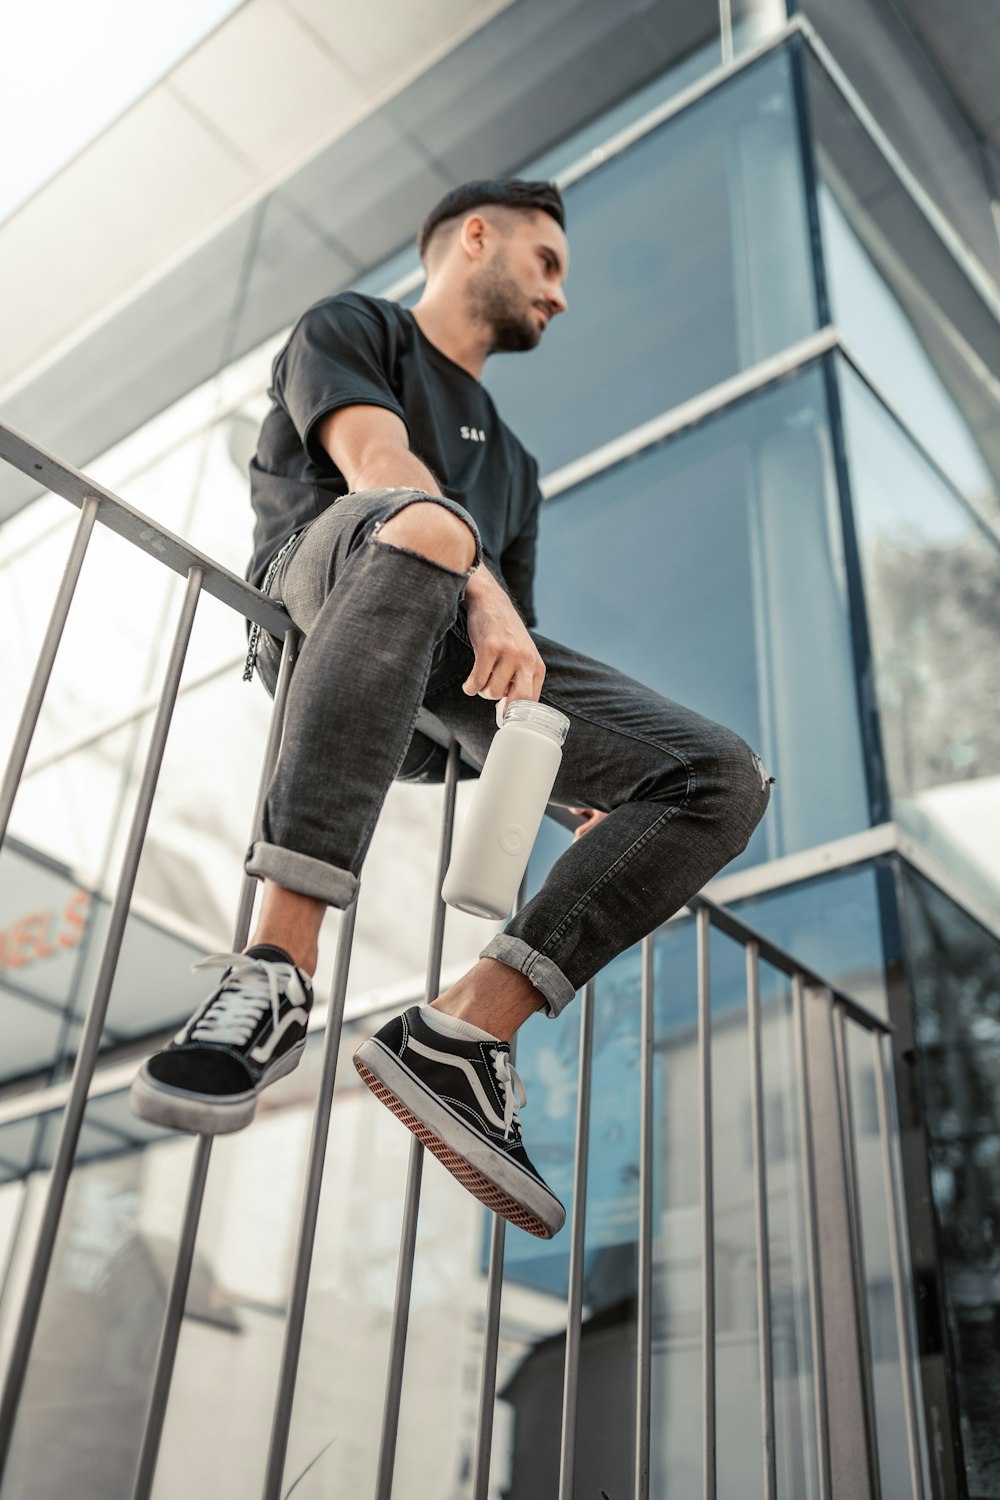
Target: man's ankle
{"points": [[493, 997], [303, 958]]}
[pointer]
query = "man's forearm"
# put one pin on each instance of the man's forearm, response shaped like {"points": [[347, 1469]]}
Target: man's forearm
{"points": [[394, 469], [485, 586], [482, 584]]}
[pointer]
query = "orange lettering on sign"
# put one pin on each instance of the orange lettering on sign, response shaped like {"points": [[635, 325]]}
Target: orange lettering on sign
{"points": [[20, 936], [33, 936], [42, 923], [75, 917]]}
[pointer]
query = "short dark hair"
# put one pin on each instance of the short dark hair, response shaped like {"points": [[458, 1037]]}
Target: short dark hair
{"points": [[505, 192]]}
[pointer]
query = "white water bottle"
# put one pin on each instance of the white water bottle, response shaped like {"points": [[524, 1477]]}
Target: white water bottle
{"points": [[491, 853]]}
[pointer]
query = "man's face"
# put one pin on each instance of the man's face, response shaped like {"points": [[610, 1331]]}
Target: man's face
{"points": [[519, 287]]}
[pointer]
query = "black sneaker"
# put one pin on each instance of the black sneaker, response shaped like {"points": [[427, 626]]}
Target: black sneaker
{"points": [[457, 1097], [249, 1032]]}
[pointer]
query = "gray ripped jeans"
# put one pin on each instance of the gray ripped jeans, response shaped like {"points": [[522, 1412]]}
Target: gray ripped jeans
{"points": [[385, 633]]}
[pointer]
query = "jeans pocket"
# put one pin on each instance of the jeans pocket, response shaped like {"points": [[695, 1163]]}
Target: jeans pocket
{"points": [[460, 627], [279, 564]]}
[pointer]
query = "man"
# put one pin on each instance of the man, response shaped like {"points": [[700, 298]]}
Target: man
{"points": [[396, 522]]}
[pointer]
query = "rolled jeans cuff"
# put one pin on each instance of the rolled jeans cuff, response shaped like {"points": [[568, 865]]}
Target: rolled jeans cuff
{"points": [[302, 873], [546, 976]]}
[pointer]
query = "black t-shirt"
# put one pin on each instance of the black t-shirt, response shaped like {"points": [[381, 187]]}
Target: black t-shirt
{"points": [[351, 350]]}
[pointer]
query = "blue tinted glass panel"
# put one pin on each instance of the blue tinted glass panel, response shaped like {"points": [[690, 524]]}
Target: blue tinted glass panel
{"points": [[880, 332], [711, 568], [900, 73], [932, 589], [907, 308], [692, 32], [833, 926], [689, 261]]}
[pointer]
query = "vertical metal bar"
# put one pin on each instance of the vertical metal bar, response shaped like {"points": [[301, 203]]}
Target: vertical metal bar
{"points": [[282, 1419], [488, 1374], [726, 30], [173, 1316], [491, 1340], [760, 1222], [46, 657], [707, 1211], [574, 1308], [90, 1041], [289, 655], [644, 1290], [411, 1205], [901, 1272], [812, 1240], [857, 1247]]}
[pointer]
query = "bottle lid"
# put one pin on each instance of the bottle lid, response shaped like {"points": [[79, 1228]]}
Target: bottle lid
{"points": [[549, 720]]}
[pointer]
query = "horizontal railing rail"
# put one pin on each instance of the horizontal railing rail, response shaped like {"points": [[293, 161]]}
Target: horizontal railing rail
{"points": [[841, 1347], [148, 535]]}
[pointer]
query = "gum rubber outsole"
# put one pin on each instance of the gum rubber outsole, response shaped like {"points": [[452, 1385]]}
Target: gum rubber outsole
{"points": [[471, 1179]]}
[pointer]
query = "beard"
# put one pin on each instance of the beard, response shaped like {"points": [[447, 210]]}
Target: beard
{"points": [[497, 301]]}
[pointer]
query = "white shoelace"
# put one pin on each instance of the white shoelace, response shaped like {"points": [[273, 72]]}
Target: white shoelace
{"points": [[510, 1079], [232, 1013]]}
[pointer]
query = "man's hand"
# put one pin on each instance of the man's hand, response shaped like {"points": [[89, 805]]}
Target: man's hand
{"points": [[507, 661], [593, 818]]}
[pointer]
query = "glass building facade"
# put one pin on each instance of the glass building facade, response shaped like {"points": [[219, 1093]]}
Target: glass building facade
{"points": [[767, 431]]}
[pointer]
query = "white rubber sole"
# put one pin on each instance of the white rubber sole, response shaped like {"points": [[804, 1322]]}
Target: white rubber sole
{"points": [[502, 1184], [203, 1114]]}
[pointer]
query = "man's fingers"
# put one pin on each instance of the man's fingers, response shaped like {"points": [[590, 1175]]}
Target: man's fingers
{"points": [[496, 685], [505, 678], [523, 685], [471, 685], [495, 682], [592, 816]]}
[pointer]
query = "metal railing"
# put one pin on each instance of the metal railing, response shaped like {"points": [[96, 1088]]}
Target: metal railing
{"points": [[842, 1359]]}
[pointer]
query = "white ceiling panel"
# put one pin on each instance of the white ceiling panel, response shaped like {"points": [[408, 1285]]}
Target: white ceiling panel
{"points": [[264, 84], [385, 43], [119, 212]]}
